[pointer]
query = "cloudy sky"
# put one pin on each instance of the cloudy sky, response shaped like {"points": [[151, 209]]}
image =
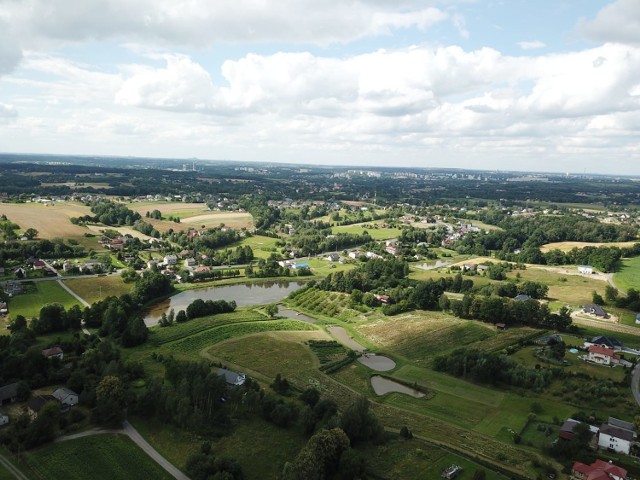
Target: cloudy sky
{"points": [[543, 85]]}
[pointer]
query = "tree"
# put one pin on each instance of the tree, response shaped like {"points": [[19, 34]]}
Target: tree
{"points": [[31, 233], [320, 458], [597, 298], [271, 310], [181, 317], [359, 423], [110, 401], [610, 293]]}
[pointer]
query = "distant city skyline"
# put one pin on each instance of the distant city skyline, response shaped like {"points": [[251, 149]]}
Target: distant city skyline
{"points": [[544, 86]]}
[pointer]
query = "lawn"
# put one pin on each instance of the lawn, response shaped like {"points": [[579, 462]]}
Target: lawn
{"points": [[95, 289], [107, 456], [37, 295], [628, 274], [376, 233]]}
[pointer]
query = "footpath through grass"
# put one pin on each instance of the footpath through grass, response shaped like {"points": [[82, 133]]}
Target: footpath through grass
{"points": [[108, 457]]}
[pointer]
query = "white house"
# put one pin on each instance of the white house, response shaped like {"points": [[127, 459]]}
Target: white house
{"points": [[616, 435], [170, 260], [355, 254], [67, 398], [585, 269], [602, 355], [332, 257], [4, 419]]}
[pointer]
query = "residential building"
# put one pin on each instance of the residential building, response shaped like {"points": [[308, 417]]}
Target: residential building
{"points": [[232, 378], [604, 341], [53, 352], [616, 435], [67, 398], [170, 260], [599, 470], [596, 310], [602, 355], [35, 404], [190, 262], [8, 394]]}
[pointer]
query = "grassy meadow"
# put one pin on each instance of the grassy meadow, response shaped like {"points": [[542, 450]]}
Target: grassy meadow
{"points": [[107, 456], [38, 294], [628, 274], [94, 289]]}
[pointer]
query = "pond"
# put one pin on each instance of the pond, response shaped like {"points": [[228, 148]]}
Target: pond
{"points": [[287, 313], [250, 293], [383, 385], [379, 363]]}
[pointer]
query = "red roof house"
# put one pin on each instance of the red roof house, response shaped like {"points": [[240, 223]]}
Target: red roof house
{"points": [[602, 355], [598, 471]]}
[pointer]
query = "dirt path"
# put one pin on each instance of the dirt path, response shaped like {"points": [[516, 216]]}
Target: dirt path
{"points": [[11, 469], [80, 299]]}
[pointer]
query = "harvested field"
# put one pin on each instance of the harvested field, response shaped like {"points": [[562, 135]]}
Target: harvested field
{"points": [[97, 229], [566, 246], [51, 221]]}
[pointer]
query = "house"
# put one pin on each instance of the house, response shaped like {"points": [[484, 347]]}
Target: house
{"points": [[602, 355], [373, 256], [67, 398], [332, 257], [35, 404], [90, 265], [53, 352], [596, 310], [383, 298], [9, 394], [170, 260], [4, 419], [355, 254], [190, 262], [599, 470], [202, 269], [522, 298], [39, 265], [604, 341], [616, 435], [186, 253], [232, 378], [20, 272], [585, 269]]}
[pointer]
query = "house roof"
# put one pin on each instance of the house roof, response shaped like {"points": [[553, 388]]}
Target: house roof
{"points": [[595, 309], [603, 351], [8, 391], [607, 341], [50, 352], [36, 403], [599, 470], [614, 422], [617, 432], [230, 377], [61, 393], [522, 298]]}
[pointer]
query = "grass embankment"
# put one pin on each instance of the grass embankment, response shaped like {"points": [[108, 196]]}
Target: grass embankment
{"points": [[107, 456], [38, 294], [95, 289]]}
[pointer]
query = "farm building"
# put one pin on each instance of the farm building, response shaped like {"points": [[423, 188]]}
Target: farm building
{"points": [[599, 470], [585, 269], [232, 378]]}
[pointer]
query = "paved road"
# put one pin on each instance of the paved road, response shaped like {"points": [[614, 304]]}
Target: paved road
{"points": [[635, 379], [11, 469]]}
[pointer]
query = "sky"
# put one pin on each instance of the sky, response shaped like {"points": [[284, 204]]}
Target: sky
{"points": [[532, 85]]}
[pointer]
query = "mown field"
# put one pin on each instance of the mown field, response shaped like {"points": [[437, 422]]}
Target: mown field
{"points": [[51, 221], [566, 246], [98, 288], [37, 295], [107, 456], [628, 274], [376, 233]]}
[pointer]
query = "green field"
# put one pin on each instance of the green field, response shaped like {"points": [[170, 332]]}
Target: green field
{"points": [[628, 274], [95, 289], [36, 296], [262, 246], [108, 457], [378, 233]]}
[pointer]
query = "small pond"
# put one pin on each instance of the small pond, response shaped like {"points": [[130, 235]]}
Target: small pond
{"points": [[287, 313], [383, 385], [250, 293], [379, 363]]}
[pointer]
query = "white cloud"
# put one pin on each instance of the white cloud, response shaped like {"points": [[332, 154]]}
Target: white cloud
{"points": [[617, 22], [532, 45], [7, 112]]}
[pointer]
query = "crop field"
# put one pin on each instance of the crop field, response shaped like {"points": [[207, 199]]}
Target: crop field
{"points": [[94, 289], [98, 229], [271, 353], [628, 274], [51, 221], [111, 457], [195, 343], [566, 246], [329, 304], [37, 295]]}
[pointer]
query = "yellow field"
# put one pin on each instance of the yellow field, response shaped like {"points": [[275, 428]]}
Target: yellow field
{"points": [[191, 215], [168, 208], [566, 246], [97, 229], [51, 221]]}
